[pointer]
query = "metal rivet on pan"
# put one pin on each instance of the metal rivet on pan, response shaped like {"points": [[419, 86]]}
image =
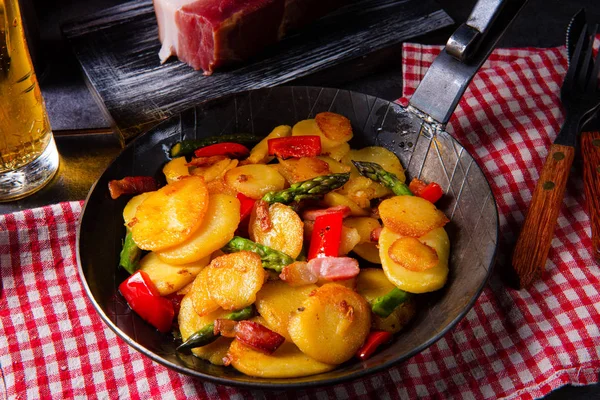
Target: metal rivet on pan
{"points": [[596, 142], [559, 155], [548, 185]]}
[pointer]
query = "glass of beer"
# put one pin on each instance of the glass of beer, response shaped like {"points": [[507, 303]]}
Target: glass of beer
{"points": [[28, 155]]}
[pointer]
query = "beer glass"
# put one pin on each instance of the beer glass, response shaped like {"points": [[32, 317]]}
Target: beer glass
{"points": [[28, 155]]}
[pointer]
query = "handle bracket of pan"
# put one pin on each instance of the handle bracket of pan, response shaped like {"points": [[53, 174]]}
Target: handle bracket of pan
{"points": [[466, 39], [447, 79]]}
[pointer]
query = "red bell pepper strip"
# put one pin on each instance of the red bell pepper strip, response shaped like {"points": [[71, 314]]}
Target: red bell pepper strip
{"points": [[431, 192], [374, 340], [132, 185], [229, 149], [143, 298], [295, 146], [246, 205], [326, 236]]}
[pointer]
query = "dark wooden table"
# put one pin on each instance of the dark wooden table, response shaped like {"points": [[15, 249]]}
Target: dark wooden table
{"points": [[86, 144]]}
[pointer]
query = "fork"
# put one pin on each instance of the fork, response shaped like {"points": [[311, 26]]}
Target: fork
{"points": [[581, 99]]}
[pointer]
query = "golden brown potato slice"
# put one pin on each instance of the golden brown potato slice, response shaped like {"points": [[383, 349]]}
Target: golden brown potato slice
{"points": [[333, 199], [364, 226], [170, 278], [260, 153], [254, 180], [338, 152], [234, 279], [368, 251], [277, 300], [376, 154], [309, 127], [302, 169], [216, 170], [335, 167], [200, 295], [286, 362], [332, 324], [334, 126], [348, 240], [286, 230], [410, 215], [190, 323], [176, 169], [416, 281], [372, 283], [132, 206], [362, 190], [412, 254], [171, 214], [218, 186], [219, 225]]}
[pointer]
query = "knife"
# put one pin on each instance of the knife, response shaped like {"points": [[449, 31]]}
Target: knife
{"points": [[590, 146]]}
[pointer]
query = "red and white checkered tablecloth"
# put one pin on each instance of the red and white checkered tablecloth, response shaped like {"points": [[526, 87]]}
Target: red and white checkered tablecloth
{"points": [[512, 344]]}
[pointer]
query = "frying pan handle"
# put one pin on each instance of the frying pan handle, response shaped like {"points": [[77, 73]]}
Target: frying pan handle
{"points": [[447, 79]]}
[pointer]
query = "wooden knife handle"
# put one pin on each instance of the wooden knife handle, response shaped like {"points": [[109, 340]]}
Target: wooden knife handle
{"points": [[590, 149], [536, 235]]}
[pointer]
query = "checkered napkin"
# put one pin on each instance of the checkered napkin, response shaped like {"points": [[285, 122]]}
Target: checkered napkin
{"points": [[512, 344]]}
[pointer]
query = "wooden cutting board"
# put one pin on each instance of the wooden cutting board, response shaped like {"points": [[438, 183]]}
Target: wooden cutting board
{"points": [[118, 51]]}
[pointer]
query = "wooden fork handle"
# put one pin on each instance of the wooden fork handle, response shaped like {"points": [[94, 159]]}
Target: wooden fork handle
{"points": [[536, 235], [590, 149]]}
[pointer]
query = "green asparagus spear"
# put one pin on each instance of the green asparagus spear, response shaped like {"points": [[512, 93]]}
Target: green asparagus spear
{"points": [[375, 172], [386, 304], [130, 254], [310, 189], [207, 335], [271, 258], [186, 147]]}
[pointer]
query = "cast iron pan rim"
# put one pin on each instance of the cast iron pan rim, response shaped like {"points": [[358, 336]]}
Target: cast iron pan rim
{"points": [[258, 385]]}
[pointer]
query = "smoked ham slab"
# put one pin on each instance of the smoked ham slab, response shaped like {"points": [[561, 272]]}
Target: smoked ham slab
{"points": [[207, 34]]}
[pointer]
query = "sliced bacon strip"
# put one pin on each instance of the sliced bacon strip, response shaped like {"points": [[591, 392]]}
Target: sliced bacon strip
{"points": [[298, 274], [262, 214], [205, 161], [258, 336], [132, 185], [334, 268], [375, 233], [311, 215]]}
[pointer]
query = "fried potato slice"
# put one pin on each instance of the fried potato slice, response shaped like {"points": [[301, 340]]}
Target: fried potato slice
{"points": [[309, 127], [362, 190], [412, 254], [333, 199], [176, 169], [132, 206], [216, 170], [286, 362], [285, 233], [218, 186], [338, 152], [411, 215], [368, 251], [348, 240], [219, 225], [364, 226], [234, 279], [334, 126], [171, 214], [332, 324], [377, 154], [190, 323], [372, 283], [335, 167], [428, 280], [260, 153], [277, 300], [302, 169], [200, 295], [170, 278], [254, 180]]}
